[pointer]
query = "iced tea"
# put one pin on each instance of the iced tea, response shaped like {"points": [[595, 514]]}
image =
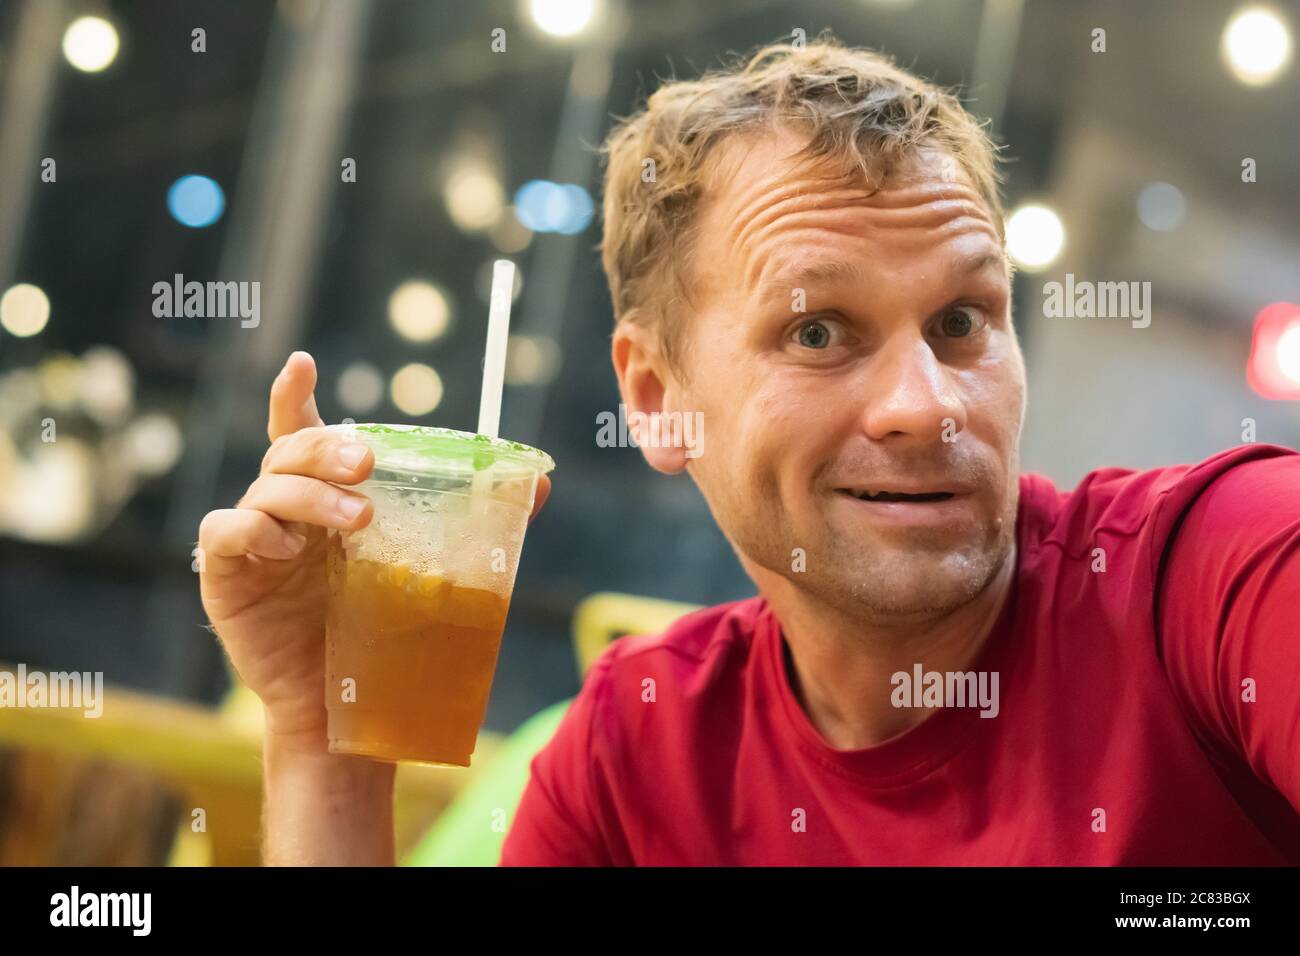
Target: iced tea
{"points": [[420, 651]]}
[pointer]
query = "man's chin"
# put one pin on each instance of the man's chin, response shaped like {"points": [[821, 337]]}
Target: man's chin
{"points": [[903, 585]]}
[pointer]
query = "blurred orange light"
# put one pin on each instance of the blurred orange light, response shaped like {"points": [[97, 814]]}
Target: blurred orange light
{"points": [[1274, 367]]}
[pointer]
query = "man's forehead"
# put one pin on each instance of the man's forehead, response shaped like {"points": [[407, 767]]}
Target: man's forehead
{"points": [[765, 166], [761, 190]]}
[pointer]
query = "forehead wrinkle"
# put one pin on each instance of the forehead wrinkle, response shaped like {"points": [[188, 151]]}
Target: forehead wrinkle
{"points": [[798, 253], [939, 223], [767, 200], [919, 192], [823, 212], [811, 192], [941, 207], [787, 199]]}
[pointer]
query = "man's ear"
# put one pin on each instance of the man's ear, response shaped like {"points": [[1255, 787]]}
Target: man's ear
{"points": [[649, 388]]}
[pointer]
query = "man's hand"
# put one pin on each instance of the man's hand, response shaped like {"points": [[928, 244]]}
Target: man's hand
{"points": [[264, 588]]}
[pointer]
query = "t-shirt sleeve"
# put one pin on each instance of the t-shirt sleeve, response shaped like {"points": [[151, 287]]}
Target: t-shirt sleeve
{"points": [[557, 821], [1230, 617]]}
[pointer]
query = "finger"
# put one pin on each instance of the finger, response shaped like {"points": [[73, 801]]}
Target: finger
{"points": [[319, 453], [236, 532], [543, 492], [295, 498], [293, 399]]}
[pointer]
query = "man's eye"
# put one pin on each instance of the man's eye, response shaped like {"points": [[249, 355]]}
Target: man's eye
{"points": [[814, 334], [961, 322]]}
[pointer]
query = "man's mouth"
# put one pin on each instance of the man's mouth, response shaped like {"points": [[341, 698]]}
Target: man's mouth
{"points": [[912, 505], [881, 495]]}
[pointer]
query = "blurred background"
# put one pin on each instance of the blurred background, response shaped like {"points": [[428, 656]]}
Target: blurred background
{"points": [[367, 160]]}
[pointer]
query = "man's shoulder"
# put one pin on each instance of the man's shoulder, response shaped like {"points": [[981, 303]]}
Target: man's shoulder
{"points": [[693, 638], [693, 653], [587, 784], [1126, 501]]}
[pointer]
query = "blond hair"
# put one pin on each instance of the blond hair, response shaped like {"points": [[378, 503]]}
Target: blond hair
{"points": [[858, 107]]}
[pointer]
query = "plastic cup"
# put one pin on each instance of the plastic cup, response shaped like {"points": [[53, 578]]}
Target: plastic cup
{"points": [[418, 598]]}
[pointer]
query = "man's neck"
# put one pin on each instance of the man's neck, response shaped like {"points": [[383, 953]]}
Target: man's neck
{"points": [[842, 667]]}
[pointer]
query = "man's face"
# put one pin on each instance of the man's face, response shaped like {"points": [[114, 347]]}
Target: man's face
{"points": [[901, 375]]}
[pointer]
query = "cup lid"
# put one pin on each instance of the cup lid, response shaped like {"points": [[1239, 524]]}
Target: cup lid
{"points": [[416, 447]]}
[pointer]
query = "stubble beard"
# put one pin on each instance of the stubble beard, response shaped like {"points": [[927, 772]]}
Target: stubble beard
{"points": [[898, 583], [891, 582]]}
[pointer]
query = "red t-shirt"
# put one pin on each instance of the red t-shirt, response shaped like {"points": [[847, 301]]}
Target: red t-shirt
{"points": [[1149, 713]]}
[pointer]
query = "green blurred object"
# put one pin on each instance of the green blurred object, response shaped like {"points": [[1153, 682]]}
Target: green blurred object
{"points": [[463, 834]]}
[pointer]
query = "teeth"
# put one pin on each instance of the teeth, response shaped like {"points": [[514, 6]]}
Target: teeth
{"points": [[870, 495]]}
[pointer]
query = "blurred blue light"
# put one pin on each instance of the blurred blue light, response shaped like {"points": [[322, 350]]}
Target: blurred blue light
{"points": [[545, 206], [531, 202], [1161, 206], [577, 212], [195, 201]]}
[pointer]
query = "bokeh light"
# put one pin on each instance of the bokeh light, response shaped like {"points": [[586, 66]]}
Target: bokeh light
{"points": [[90, 44], [531, 360], [474, 197], [60, 375], [107, 386], [360, 388], [1288, 353], [1273, 369], [51, 496], [416, 389], [153, 444], [544, 206], [508, 234], [1161, 207], [24, 310], [20, 393], [1256, 45], [419, 311], [562, 18], [1035, 237], [196, 201]]}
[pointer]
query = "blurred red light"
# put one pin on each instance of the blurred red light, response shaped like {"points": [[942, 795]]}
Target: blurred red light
{"points": [[1274, 367]]}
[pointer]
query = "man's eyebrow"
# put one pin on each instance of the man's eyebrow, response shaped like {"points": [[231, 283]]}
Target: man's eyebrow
{"points": [[789, 278], [977, 262]]}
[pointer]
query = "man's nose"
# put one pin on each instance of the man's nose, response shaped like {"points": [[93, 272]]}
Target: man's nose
{"points": [[911, 394]]}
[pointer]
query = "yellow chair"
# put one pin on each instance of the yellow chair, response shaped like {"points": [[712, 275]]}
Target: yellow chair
{"points": [[213, 759], [606, 615]]}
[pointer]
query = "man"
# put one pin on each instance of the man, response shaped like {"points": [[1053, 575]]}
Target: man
{"points": [[948, 662]]}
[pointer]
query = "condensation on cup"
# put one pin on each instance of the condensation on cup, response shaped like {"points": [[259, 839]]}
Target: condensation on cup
{"points": [[418, 598]]}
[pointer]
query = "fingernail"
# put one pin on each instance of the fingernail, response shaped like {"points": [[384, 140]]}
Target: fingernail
{"points": [[293, 542], [350, 506], [351, 455]]}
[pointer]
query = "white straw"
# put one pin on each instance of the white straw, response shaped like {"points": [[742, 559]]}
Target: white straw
{"points": [[494, 371], [494, 361]]}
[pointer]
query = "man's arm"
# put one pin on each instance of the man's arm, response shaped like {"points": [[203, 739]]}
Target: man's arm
{"points": [[1230, 617], [325, 809]]}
